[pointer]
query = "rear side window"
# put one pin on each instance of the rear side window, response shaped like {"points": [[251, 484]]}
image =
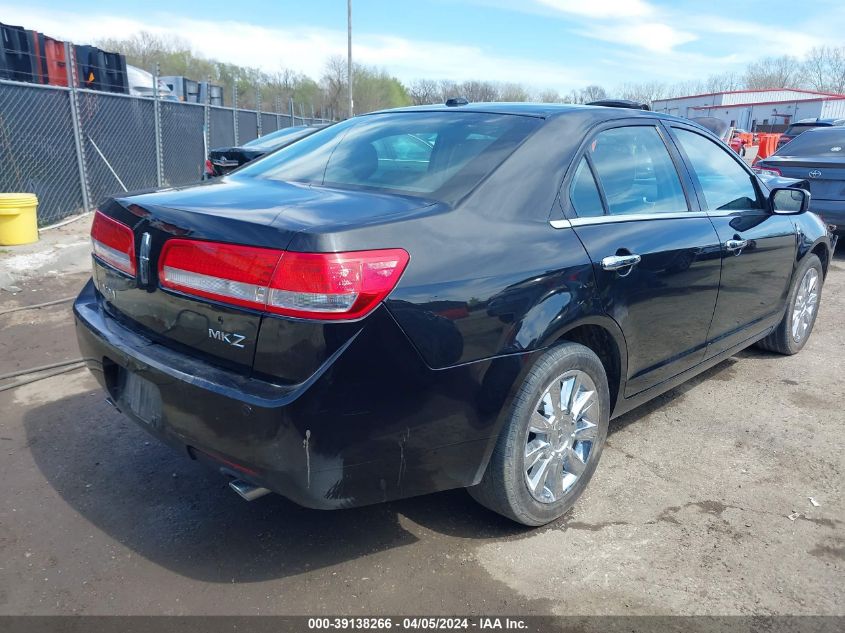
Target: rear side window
{"points": [[725, 184], [437, 155], [636, 171], [584, 193]]}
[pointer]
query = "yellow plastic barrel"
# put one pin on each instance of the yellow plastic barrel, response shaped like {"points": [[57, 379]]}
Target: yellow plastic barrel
{"points": [[18, 219]]}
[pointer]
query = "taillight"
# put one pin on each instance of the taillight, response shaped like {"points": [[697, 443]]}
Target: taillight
{"points": [[209, 167], [334, 285], [766, 171], [225, 272], [113, 243], [305, 285]]}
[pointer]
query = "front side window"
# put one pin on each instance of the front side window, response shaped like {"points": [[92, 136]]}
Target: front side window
{"points": [[725, 184], [636, 171]]}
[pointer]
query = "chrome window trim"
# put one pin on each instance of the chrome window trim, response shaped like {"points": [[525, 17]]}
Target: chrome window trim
{"points": [[729, 212], [626, 217]]}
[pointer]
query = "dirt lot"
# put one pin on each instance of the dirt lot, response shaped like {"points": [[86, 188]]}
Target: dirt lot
{"points": [[688, 512]]}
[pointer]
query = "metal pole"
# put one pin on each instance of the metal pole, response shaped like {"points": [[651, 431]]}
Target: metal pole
{"points": [[349, 52], [278, 104], [77, 128], [206, 136], [258, 110], [157, 126], [235, 111], [290, 109]]}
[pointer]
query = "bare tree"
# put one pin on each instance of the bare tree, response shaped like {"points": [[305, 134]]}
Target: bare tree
{"points": [[824, 68], [774, 72], [449, 89], [424, 92], [549, 96], [513, 92], [593, 93], [646, 92], [722, 83], [334, 84], [479, 91]]}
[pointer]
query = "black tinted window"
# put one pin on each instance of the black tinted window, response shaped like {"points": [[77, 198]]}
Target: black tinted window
{"points": [[820, 142], [798, 128], [726, 185], [636, 171], [440, 155], [278, 138], [584, 194]]}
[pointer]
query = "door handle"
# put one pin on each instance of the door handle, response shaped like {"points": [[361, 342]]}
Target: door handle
{"points": [[736, 245], [617, 262]]}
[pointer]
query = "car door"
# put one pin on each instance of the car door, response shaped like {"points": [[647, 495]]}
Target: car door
{"points": [[758, 247], [655, 259]]}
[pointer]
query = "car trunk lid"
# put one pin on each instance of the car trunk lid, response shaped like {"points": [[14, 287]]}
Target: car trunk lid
{"points": [[260, 214], [826, 176]]}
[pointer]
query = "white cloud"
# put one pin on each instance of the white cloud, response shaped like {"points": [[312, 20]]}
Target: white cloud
{"points": [[764, 39], [651, 36], [305, 49], [601, 8]]}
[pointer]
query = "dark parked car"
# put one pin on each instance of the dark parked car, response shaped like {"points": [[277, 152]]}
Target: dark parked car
{"points": [[222, 160], [441, 297], [799, 127], [819, 157]]}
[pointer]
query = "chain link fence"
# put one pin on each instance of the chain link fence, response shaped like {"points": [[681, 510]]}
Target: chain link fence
{"points": [[74, 147], [37, 149]]}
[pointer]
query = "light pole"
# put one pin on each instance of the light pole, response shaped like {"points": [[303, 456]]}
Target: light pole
{"points": [[349, 52]]}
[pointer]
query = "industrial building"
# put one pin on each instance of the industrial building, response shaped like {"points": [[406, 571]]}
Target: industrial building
{"points": [[757, 110]]}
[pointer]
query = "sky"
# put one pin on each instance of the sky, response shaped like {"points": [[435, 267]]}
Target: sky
{"points": [[543, 44]]}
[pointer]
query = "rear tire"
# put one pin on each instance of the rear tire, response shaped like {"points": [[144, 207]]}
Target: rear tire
{"points": [[802, 307], [550, 446]]}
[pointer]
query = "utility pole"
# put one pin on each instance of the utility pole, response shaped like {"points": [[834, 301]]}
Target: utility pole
{"points": [[349, 52]]}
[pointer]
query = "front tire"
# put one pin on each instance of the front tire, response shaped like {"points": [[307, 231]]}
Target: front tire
{"points": [[553, 438], [802, 307]]}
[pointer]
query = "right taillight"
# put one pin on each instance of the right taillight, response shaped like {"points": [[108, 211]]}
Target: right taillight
{"points": [[113, 243], [328, 286], [334, 285]]}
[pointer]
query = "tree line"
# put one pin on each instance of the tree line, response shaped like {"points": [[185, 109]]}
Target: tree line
{"points": [[822, 69]]}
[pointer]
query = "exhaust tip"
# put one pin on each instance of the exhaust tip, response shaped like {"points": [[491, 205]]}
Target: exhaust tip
{"points": [[247, 490]]}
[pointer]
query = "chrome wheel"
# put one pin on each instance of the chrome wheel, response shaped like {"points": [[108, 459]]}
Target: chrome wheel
{"points": [[561, 434], [806, 301]]}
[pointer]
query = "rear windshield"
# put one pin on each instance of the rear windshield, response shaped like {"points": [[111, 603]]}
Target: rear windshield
{"points": [[798, 128], [276, 139], [820, 142], [437, 155]]}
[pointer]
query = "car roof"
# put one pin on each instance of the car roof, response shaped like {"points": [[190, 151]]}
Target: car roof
{"points": [[818, 122], [538, 110], [832, 130]]}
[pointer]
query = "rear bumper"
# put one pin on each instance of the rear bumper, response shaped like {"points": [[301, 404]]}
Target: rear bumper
{"points": [[372, 424], [831, 212]]}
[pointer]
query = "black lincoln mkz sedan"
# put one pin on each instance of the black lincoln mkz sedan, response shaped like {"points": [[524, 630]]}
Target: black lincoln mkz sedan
{"points": [[441, 297]]}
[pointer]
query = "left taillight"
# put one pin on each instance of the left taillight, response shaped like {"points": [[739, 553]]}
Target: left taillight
{"points": [[113, 243], [766, 171], [324, 286]]}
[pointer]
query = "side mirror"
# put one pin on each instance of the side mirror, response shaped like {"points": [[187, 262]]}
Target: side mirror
{"points": [[788, 201]]}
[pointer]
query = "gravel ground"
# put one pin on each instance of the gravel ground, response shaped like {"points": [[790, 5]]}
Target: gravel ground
{"points": [[688, 512]]}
